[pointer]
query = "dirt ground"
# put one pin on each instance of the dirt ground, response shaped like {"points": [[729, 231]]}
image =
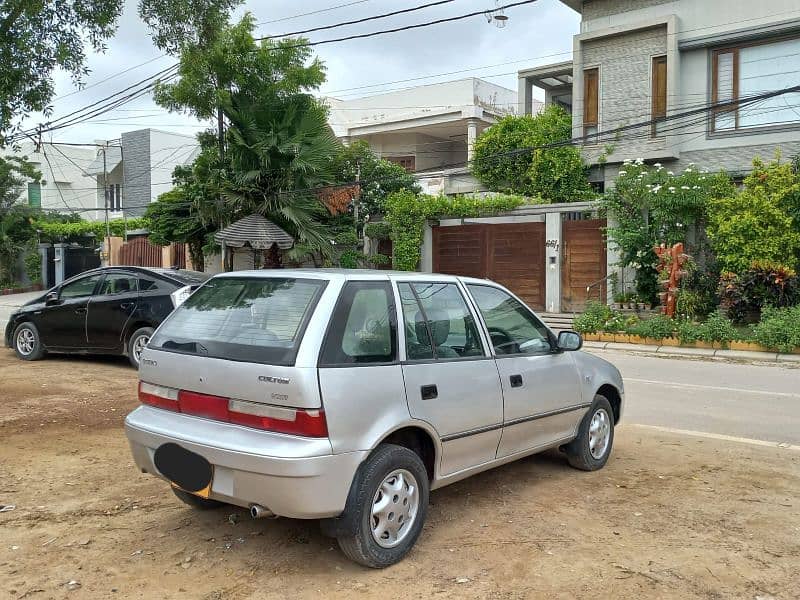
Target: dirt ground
{"points": [[669, 517]]}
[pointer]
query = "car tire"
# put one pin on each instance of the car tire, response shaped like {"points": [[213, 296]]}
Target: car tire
{"points": [[591, 449], [136, 344], [196, 501], [27, 342], [387, 505]]}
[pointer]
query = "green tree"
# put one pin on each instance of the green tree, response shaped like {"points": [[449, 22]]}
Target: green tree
{"points": [[16, 228], [176, 24], [38, 37], [172, 219], [233, 60], [554, 174], [378, 177]]}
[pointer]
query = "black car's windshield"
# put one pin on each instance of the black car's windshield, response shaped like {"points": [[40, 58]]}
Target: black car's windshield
{"points": [[242, 318]]}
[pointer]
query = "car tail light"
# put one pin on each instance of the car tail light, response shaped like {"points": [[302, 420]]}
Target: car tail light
{"points": [[307, 423], [180, 295], [158, 396]]}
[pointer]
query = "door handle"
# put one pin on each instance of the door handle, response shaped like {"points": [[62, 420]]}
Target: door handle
{"points": [[126, 305], [516, 380], [428, 392], [80, 311]]}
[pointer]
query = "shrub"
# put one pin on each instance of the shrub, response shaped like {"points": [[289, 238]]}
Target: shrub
{"points": [[717, 329], [757, 223], [688, 332], [555, 174], [593, 318], [658, 326], [698, 296], [779, 328], [743, 296]]}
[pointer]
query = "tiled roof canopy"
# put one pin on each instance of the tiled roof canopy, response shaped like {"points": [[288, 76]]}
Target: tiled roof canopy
{"points": [[255, 231]]}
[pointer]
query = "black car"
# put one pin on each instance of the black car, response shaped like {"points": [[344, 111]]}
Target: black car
{"points": [[111, 310]]}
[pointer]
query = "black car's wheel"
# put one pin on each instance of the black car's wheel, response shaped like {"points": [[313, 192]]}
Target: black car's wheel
{"points": [[389, 505], [137, 343], [196, 501], [591, 449], [27, 342]]}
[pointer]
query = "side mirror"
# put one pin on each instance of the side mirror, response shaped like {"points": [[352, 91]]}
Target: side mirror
{"points": [[51, 298], [570, 341]]}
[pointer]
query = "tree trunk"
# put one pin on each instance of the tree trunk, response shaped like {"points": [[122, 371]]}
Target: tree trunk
{"points": [[196, 254]]}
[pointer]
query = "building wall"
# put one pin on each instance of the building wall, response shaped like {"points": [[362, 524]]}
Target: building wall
{"points": [[613, 36], [168, 150], [430, 152], [136, 178], [65, 187], [624, 62]]}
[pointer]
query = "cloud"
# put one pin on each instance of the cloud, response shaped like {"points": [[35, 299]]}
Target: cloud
{"points": [[535, 30]]}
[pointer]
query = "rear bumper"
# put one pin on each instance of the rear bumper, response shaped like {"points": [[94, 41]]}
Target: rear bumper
{"points": [[291, 476]]}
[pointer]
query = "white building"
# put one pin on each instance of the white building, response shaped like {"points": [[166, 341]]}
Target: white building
{"points": [[428, 128], [136, 169], [65, 185]]}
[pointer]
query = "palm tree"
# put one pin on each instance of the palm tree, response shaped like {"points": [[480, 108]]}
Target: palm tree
{"points": [[280, 151]]}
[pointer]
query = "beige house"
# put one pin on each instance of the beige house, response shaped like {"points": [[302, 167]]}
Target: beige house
{"points": [[428, 129]]}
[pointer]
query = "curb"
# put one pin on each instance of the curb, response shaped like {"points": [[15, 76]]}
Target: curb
{"points": [[706, 352]]}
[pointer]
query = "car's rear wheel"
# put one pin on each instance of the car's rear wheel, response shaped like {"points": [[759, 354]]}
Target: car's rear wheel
{"points": [[591, 449], [27, 342], [137, 343], [389, 506], [197, 501]]}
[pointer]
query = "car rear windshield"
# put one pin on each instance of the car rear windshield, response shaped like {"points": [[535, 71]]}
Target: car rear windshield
{"points": [[252, 319]]}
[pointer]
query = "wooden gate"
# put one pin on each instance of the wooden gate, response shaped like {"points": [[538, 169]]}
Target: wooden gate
{"points": [[140, 252], [584, 263], [511, 254]]}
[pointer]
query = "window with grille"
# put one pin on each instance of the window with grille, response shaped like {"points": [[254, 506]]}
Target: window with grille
{"points": [[114, 197]]}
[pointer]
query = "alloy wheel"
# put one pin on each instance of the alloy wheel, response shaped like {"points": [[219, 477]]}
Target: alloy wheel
{"points": [[599, 433], [26, 341], [139, 344]]}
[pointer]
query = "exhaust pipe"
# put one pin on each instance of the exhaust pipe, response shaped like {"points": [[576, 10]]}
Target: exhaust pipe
{"points": [[259, 512]]}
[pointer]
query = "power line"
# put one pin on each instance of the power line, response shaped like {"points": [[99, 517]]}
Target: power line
{"points": [[314, 12], [398, 29], [365, 19]]}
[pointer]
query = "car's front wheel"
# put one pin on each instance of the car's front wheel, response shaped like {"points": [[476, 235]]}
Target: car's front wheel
{"points": [[591, 449], [137, 343], [27, 342], [389, 506]]}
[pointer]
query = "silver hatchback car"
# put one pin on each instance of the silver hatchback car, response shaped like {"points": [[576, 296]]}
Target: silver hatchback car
{"points": [[347, 396]]}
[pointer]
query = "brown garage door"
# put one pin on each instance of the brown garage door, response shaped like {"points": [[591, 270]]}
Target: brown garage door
{"points": [[511, 254], [584, 255]]}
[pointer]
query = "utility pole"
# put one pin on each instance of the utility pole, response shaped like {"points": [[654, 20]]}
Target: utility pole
{"points": [[105, 195], [357, 197]]}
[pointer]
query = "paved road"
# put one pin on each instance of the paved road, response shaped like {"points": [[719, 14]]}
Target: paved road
{"points": [[9, 304], [756, 401]]}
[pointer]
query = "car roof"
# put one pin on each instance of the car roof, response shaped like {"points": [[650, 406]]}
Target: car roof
{"points": [[350, 274], [177, 276]]}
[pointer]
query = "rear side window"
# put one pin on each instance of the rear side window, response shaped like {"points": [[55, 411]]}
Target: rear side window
{"points": [[118, 283], [363, 329], [242, 318]]}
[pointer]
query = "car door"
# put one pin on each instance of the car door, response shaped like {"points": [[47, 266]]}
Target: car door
{"points": [[542, 401], [62, 322], [451, 380], [110, 309]]}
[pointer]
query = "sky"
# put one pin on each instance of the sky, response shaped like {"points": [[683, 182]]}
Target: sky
{"points": [[535, 34]]}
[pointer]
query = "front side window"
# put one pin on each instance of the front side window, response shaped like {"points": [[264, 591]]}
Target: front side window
{"points": [[251, 319], [512, 328], [80, 288], [363, 328], [118, 283], [438, 324], [747, 71]]}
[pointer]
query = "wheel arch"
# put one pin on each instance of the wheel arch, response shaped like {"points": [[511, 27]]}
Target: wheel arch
{"points": [[611, 393], [418, 439]]}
